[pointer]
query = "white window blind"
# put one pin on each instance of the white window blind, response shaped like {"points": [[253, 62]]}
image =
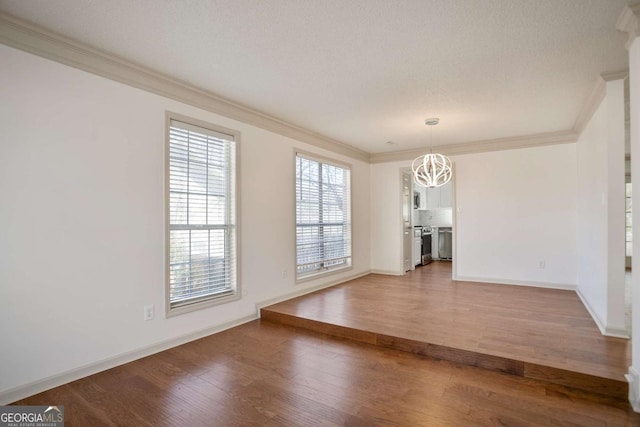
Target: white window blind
{"points": [[202, 224], [323, 216]]}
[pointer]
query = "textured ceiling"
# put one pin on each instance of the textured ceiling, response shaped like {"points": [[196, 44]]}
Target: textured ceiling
{"points": [[367, 71]]}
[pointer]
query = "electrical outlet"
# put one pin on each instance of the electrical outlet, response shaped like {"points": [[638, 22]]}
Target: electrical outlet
{"points": [[284, 274], [148, 312], [245, 292], [542, 264]]}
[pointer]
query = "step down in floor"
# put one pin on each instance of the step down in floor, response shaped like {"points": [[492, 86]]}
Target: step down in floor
{"points": [[576, 380]]}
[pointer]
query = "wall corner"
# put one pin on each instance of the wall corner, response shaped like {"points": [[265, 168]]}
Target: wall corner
{"points": [[628, 23], [633, 377]]}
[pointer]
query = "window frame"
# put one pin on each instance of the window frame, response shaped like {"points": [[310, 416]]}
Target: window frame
{"points": [[329, 161], [627, 226], [211, 300]]}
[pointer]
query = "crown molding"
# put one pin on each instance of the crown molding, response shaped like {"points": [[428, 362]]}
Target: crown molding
{"points": [[34, 39], [617, 75], [589, 108], [31, 38], [628, 23], [594, 99], [528, 141], [592, 103]]}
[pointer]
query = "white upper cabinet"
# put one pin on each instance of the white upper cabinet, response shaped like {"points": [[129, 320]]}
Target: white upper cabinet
{"points": [[445, 195], [423, 196], [435, 198]]}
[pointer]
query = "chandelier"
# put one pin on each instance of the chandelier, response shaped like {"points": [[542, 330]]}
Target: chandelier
{"points": [[431, 170]]}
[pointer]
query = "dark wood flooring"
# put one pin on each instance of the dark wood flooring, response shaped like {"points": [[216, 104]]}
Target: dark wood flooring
{"points": [[268, 374], [264, 374], [532, 332]]}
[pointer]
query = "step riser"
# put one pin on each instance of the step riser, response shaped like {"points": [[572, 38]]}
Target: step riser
{"points": [[589, 383]]}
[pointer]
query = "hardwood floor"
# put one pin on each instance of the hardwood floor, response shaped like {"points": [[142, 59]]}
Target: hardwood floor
{"points": [[532, 332], [543, 362], [266, 374]]}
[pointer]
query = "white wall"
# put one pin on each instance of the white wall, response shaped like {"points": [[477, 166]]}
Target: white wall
{"points": [[601, 212], [634, 98], [615, 99], [386, 218], [81, 243], [518, 207]]}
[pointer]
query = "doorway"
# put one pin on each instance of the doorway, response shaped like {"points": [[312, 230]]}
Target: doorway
{"points": [[407, 225]]}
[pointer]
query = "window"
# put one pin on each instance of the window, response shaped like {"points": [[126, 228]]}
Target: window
{"points": [[323, 216], [202, 259], [628, 223]]}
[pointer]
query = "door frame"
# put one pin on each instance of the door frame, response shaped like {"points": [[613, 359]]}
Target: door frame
{"points": [[411, 189]]}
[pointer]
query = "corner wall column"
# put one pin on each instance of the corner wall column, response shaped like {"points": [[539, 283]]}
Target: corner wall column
{"points": [[629, 22]]}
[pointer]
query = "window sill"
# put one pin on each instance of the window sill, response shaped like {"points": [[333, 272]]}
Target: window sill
{"points": [[314, 276], [176, 311]]}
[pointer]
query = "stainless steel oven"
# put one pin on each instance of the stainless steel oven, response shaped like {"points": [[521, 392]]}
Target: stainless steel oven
{"points": [[426, 245]]}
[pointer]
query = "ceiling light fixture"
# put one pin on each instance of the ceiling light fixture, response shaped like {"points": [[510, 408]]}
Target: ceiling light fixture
{"points": [[431, 170]]}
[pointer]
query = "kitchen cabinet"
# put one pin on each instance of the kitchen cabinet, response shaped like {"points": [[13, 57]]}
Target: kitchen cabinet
{"points": [[423, 197], [432, 198], [436, 198], [445, 195]]}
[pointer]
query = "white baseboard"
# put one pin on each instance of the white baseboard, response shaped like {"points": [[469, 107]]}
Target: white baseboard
{"points": [[591, 311], [21, 392], [604, 330], [548, 285], [306, 291], [388, 272], [633, 377], [616, 332]]}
